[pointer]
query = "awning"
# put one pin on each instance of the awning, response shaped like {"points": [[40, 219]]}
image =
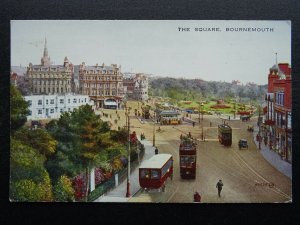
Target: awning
{"points": [[110, 103]]}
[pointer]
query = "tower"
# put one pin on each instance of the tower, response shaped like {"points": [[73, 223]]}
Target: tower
{"points": [[45, 60]]}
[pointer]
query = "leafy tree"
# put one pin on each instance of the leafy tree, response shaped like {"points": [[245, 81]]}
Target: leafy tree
{"points": [[26, 162], [63, 190], [29, 179], [119, 136], [26, 190], [18, 109], [38, 139]]}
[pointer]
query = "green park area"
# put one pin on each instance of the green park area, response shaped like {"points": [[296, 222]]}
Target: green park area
{"points": [[217, 106]]}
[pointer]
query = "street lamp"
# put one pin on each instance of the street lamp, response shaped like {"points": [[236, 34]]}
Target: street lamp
{"points": [[202, 135], [128, 171], [154, 119], [259, 131]]}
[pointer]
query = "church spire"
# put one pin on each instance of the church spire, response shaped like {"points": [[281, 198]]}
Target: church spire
{"points": [[45, 61], [45, 49]]}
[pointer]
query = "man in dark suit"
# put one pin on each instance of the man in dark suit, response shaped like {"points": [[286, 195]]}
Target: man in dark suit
{"points": [[219, 185]]}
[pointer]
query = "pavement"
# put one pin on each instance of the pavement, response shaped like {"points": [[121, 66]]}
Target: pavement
{"points": [[273, 158], [119, 193]]}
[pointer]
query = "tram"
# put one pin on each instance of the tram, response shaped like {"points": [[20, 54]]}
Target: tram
{"points": [[146, 111], [225, 134], [187, 157], [154, 172], [169, 117]]}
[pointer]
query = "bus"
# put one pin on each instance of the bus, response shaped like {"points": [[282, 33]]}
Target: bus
{"points": [[187, 158], [225, 134], [154, 172]]}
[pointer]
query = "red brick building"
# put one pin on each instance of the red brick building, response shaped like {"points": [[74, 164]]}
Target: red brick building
{"points": [[278, 132]]}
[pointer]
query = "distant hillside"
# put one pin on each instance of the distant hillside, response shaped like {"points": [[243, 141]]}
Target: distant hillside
{"points": [[194, 89]]}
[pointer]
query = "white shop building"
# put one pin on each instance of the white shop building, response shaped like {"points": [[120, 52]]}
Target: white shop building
{"points": [[51, 106]]}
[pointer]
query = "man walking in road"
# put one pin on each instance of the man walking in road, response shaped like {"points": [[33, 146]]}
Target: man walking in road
{"points": [[219, 185]]}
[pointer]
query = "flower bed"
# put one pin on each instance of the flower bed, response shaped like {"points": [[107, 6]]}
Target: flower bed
{"points": [[220, 106], [243, 112], [79, 186]]}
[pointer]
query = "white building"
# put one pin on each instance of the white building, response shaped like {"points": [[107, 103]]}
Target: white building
{"points": [[51, 106]]}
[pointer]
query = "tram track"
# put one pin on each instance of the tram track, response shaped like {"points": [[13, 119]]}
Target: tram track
{"points": [[241, 175], [274, 189]]}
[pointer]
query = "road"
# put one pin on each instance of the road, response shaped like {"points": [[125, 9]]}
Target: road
{"points": [[247, 176]]}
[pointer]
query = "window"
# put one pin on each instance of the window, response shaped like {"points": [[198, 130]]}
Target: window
{"points": [[47, 101], [61, 110], [186, 160], [84, 99], [40, 111], [61, 101], [40, 102], [74, 100], [283, 121], [51, 110], [289, 120], [69, 100], [154, 174], [145, 173], [30, 113], [166, 167], [51, 101], [29, 103], [69, 109]]}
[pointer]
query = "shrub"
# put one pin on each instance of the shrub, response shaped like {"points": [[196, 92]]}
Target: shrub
{"points": [[63, 190]]}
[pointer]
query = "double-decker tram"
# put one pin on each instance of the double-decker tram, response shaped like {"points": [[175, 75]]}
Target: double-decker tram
{"points": [[187, 157], [154, 172], [225, 134]]}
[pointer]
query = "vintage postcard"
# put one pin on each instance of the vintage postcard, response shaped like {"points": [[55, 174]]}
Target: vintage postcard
{"points": [[161, 111]]}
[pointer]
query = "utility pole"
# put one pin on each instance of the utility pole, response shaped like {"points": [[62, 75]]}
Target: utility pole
{"points": [[154, 120], [258, 123], [202, 135], [128, 171]]}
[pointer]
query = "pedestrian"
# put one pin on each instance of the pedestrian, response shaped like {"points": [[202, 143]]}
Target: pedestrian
{"points": [[197, 197], [219, 185], [156, 151]]}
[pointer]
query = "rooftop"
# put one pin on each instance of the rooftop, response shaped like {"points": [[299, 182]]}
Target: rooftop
{"points": [[156, 161]]}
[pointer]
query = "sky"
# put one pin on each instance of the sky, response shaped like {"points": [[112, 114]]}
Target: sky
{"points": [[157, 47]]}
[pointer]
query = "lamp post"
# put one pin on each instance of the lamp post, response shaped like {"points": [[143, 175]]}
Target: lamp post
{"points": [[154, 119], [202, 135], [128, 171], [259, 131]]}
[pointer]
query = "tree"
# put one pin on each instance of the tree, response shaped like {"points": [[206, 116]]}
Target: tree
{"points": [[18, 109], [29, 179], [38, 139], [91, 134]]}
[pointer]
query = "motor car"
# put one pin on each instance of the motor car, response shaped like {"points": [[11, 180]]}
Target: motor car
{"points": [[243, 143]]}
